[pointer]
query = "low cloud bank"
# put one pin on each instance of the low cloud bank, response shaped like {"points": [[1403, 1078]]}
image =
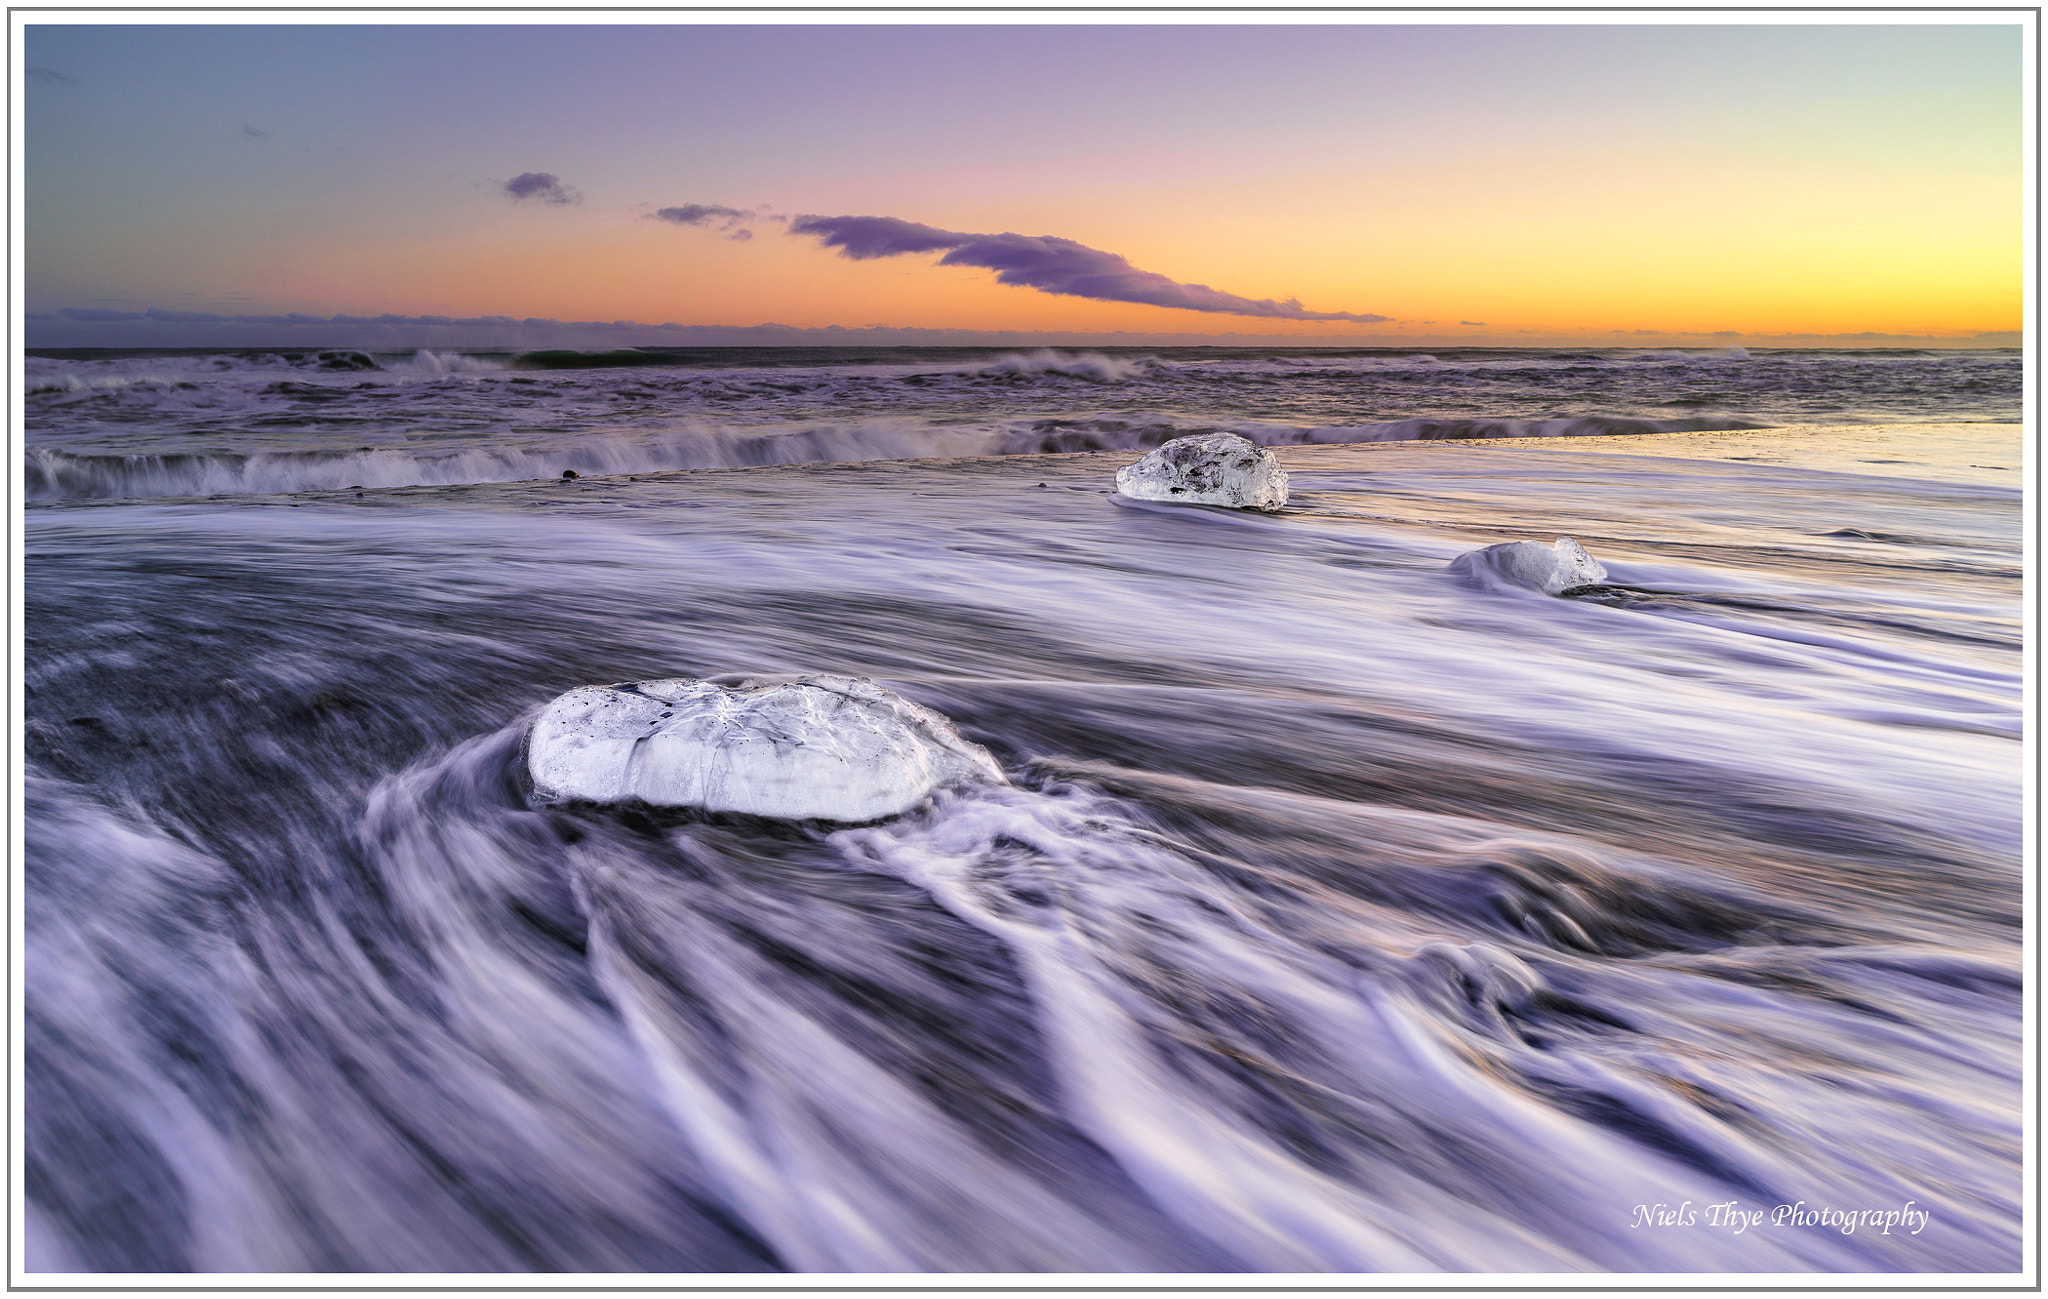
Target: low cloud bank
{"points": [[159, 327]]}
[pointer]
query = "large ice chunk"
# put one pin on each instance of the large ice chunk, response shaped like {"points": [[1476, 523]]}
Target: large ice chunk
{"points": [[1550, 569], [1208, 469], [826, 747]]}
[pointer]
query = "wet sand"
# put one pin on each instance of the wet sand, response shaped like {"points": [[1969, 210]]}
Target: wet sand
{"points": [[1992, 454]]}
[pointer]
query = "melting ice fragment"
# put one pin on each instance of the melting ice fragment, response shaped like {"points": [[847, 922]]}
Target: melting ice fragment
{"points": [[1549, 569], [1208, 469], [829, 748]]}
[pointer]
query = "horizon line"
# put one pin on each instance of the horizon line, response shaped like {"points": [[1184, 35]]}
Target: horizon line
{"points": [[75, 327]]}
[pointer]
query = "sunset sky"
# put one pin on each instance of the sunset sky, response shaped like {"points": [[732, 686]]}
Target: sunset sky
{"points": [[1596, 183]]}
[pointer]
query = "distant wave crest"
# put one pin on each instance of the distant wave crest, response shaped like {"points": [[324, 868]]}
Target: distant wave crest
{"points": [[450, 363], [1083, 365]]}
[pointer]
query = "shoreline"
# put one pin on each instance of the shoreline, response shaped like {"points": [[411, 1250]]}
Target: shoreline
{"points": [[1973, 452]]}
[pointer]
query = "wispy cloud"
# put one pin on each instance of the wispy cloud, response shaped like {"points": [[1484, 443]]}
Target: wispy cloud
{"points": [[544, 187], [1047, 263], [697, 214], [728, 221]]}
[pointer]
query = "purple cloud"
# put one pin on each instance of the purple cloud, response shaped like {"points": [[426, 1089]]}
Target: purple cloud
{"points": [[1046, 263], [545, 186], [729, 221], [697, 214]]}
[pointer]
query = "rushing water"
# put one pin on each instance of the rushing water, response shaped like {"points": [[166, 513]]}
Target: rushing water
{"points": [[1337, 914]]}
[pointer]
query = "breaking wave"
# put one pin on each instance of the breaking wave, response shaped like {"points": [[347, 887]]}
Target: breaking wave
{"points": [[59, 475], [53, 474]]}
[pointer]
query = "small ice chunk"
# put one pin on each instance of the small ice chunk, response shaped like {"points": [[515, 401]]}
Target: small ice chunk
{"points": [[829, 748], [1208, 469], [1549, 569]]}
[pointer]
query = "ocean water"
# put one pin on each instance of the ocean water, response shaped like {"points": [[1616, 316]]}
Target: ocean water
{"points": [[204, 423], [1339, 913]]}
